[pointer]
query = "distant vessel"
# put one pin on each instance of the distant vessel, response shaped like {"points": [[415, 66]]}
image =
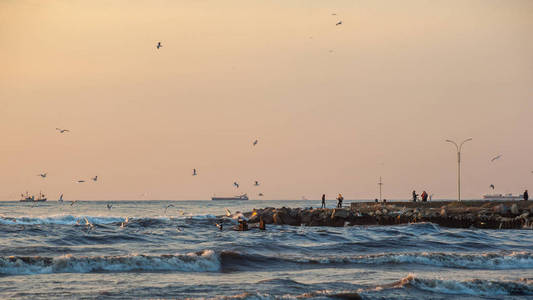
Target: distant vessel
{"points": [[241, 197], [502, 197], [28, 198]]}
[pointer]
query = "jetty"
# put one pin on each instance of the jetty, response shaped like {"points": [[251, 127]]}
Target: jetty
{"points": [[464, 214]]}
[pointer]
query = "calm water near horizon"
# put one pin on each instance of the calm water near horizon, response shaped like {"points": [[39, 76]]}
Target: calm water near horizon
{"points": [[48, 251]]}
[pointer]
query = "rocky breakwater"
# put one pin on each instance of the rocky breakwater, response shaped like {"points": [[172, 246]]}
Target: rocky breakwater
{"points": [[478, 214]]}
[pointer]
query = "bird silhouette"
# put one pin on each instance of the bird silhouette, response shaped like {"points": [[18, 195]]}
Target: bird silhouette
{"points": [[495, 158], [491, 186], [109, 206], [43, 175], [95, 178], [62, 130], [159, 45], [256, 183], [338, 23], [255, 142], [80, 181], [194, 173], [236, 184]]}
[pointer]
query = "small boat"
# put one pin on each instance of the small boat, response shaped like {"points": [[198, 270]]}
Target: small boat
{"points": [[31, 198], [500, 197], [241, 197]]}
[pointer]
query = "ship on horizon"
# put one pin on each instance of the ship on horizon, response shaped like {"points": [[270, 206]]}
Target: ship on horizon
{"points": [[28, 198], [240, 198], [500, 197]]}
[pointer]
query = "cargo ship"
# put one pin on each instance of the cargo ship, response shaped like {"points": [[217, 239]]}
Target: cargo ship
{"points": [[239, 198]]}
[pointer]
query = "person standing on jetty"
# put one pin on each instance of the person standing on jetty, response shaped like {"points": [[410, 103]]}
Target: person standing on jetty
{"points": [[339, 199], [415, 196], [323, 201], [526, 196], [424, 196]]}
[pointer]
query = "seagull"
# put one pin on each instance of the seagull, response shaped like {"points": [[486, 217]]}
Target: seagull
{"points": [[495, 158], [109, 206], [236, 184], [338, 23], [62, 130], [255, 142], [260, 194], [159, 45], [256, 183], [80, 181], [60, 198], [194, 173], [95, 178], [219, 226], [170, 205], [43, 175], [125, 222], [228, 213], [72, 202], [491, 186]]}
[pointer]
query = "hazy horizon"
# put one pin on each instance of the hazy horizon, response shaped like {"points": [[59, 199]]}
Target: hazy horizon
{"points": [[333, 107]]}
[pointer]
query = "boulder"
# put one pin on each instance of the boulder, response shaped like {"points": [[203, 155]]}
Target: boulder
{"points": [[514, 209], [340, 213], [443, 212]]}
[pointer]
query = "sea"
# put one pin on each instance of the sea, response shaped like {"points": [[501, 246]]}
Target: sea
{"points": [[174, 250]]}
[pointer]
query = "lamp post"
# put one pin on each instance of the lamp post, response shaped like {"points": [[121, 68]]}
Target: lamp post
{"points": [[380, 183], [459, 147]]}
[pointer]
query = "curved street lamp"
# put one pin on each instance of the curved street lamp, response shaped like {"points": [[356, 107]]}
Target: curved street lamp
{"points": [[459, 147]]}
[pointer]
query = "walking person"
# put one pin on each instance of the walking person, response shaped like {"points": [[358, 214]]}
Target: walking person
{"points": [[415, 196], [424, 196], [339, 199], [526, 196], [323, 201]]}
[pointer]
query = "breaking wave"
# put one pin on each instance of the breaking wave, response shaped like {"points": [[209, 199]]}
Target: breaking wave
{"points": [[203, 261], [97, 220], [475, 287]]}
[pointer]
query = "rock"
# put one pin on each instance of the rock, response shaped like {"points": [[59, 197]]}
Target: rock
{"points": [[501, 209], [385, 211], [378, 212], [514, 209], [443, 212], [340, 213]]}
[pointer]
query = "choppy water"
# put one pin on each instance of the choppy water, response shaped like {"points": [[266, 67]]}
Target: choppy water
{"points": [[48, 252]]}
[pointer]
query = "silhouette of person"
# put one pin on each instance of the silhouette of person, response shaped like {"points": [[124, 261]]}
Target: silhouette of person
{"points": [[323, 201], [340, 198], [526, 196], [415, 196]]}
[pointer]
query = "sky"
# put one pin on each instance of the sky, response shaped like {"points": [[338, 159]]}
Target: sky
{"points": [[333, 107]]}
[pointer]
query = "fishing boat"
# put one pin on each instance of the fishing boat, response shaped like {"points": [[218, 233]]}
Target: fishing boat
{"points": [[240, 198], [28, 198], [500, 197]]}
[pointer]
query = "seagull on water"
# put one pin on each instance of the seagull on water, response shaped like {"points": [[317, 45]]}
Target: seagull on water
{"points": [[159, 45], [60, 198], [62, 130], [495, 158], [194, 173], [125, 222], [43, 175], [95, 178], [236, 184], [338, 23]]}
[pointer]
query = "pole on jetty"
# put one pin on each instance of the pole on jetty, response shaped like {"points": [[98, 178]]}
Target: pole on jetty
{"points": [[380, 183], [459, 147]]}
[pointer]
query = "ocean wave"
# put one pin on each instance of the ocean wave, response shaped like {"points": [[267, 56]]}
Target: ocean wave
{"points": [[475, 287], [493, 261], [96, 220], [203, 261]]}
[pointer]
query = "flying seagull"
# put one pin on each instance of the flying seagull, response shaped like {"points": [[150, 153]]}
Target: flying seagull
{"points": [[495, 158], [491, 186], [80, 181], [43, 175], [255, 142], [236, 184], [228, 213], [62, 130], [338, 23], [109, 206], [256, 183], [72, 202], [60, 198], [95, 178], [260, 194], [194, 173], [170, 205], [125, 222], [159, 45]]}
